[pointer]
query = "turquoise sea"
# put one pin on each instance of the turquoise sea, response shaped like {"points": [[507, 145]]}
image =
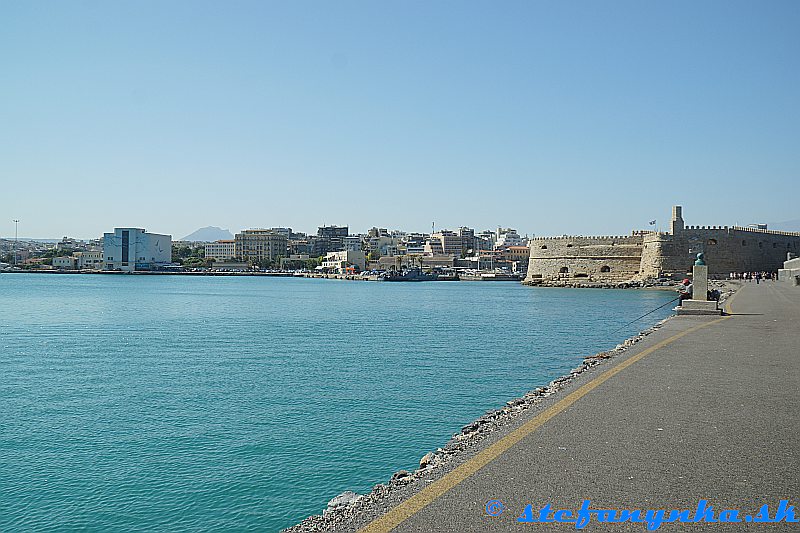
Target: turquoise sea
{"points": [[241, 403]]}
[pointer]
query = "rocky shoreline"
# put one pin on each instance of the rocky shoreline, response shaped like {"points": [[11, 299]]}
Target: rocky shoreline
{"points": [[629, 284], [345, 509]]}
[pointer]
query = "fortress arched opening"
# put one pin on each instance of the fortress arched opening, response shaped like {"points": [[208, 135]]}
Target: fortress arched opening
{"points": [[544, 247], [563, 270], [744, 242], [569, 245], [605, 268], [712, 241]]}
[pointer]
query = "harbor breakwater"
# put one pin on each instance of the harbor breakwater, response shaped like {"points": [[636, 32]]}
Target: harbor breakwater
{"points": [[349, 508]]}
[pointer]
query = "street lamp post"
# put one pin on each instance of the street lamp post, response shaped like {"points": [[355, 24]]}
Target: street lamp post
{"points": [[16, 239]]}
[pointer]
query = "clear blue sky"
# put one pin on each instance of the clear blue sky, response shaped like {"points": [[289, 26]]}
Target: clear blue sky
{"points": [[551, 117]]}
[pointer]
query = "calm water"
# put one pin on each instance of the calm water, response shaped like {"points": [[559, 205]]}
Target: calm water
{"points": [[134, 402]]}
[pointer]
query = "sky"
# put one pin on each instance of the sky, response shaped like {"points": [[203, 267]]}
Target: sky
{"points": [[549, 117]]}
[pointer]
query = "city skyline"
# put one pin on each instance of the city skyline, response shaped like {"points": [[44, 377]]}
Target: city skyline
{"points": [[662, 225], [552, 119]]}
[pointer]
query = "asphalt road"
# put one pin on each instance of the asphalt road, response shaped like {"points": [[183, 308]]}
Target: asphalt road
{"points": [[704, 409]]}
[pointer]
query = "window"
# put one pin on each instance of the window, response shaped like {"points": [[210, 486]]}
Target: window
{"points": [[744, 243], [712, 241], [564, 270], [605, 268], [544, 247], [569, 245]]}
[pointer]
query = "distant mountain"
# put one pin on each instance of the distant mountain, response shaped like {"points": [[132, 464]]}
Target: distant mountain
{"points": [[789, 225], [209, 234]]}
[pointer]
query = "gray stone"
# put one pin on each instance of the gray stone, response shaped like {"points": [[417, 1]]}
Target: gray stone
{"points": [[345, 498], [401, 475], [427, 460]]}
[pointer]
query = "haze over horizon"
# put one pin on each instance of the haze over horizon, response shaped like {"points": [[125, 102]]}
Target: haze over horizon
{"points": [[549, 118]]}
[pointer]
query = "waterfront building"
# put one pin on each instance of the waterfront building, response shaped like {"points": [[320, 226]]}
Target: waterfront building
{"points": [[65, 263], [340, 261], [89, 260], [254, 245], [130, 249], [224, 249], [518, 256]]}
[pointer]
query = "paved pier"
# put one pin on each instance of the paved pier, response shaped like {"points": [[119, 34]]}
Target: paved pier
{"points": [[705, 408]]}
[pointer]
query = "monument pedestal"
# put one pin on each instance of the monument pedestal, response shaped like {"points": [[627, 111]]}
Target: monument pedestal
{"points": [[698, 307]]}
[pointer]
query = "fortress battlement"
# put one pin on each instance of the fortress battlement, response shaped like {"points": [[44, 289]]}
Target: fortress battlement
{"points": [[768, 231], [598, 238]]}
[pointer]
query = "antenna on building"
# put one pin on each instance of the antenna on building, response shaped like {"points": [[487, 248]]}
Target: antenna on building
{"points": [[16, 239], [433, 227]]}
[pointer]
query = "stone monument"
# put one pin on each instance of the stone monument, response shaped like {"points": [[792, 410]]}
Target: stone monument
{"points": [[699, 304]]}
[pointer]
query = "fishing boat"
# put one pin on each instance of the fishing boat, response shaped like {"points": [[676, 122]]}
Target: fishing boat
{"points": [[411, 274]]}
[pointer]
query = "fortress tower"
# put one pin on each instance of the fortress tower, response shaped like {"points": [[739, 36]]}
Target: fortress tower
{"points": [[676, 224]]}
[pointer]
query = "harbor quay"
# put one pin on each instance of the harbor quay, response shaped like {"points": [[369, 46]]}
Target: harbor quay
{"points": [[698, 415]]}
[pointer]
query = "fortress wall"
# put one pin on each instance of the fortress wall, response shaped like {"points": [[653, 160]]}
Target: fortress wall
{"points": [[646, 254], [726, 250], [605, 258]]}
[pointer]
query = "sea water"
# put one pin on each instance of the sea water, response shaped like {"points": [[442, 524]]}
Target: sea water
{"points": [[246, 403]]}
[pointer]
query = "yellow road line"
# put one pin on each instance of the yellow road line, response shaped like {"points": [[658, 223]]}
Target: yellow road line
{"points": [[729, 304], [429, 494]]}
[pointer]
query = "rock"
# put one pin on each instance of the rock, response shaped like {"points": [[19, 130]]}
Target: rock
{"points": [[345, 498], [469, 428], [401, 475], [427, 460]]}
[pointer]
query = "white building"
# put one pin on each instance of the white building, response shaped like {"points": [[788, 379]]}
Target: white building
{"points": [[443, 243], [508, 237], [221, 249], [65, 262], [131, 249], [339, 261], [91, 260]]}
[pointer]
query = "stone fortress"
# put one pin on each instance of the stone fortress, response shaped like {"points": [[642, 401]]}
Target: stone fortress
{"points": [[651, 254]]}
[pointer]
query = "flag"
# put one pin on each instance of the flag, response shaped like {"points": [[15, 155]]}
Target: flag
{"points": [[652, 222]]}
